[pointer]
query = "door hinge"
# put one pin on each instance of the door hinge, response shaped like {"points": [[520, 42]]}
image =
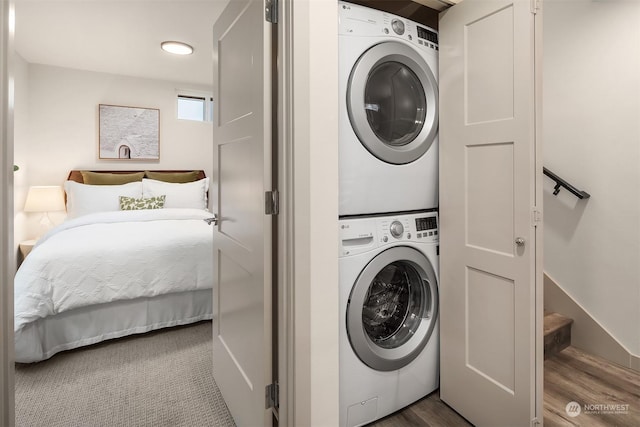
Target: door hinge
{"points": [[271, 202], [535, 422], [272, 396], [271, 11], [535, 6], [536, 216]]}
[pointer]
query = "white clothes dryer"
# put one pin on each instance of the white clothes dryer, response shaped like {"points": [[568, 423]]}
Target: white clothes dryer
{"points": [[388, 115], [389, 337]]}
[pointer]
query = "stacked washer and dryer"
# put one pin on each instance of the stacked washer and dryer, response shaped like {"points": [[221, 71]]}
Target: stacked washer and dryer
{"points": [[388, 165]]}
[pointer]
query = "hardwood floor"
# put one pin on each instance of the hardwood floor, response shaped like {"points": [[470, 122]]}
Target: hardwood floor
{"points": [[570, 376], [609, 395], [429, 412]]}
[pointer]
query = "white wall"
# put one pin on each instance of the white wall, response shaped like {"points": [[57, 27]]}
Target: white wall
{"points": [[60, 131], [592, 139], [315, 323]]}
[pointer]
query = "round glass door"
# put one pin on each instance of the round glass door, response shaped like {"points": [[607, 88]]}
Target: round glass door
{"points": [[392, 101], [393, 309], [395, 103]]}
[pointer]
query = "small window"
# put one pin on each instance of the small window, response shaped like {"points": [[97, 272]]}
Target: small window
{"points": [[196, 108]]}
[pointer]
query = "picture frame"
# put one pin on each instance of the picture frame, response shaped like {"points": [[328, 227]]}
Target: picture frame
{"points": [[128, 133]]}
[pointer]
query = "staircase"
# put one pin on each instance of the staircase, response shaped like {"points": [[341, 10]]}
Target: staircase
{"points": [[557, 333]]}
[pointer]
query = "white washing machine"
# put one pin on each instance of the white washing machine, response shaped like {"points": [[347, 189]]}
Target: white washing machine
{"points": [[389, 337], [388, 116]]}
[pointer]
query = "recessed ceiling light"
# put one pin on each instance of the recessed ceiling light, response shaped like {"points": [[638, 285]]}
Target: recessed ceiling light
{"points": [[178, 48]]}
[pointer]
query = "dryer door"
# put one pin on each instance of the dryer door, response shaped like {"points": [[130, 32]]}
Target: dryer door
{"points": [[392, 101], [393, 308]]}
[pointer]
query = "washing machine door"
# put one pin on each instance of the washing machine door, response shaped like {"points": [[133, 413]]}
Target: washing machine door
{"points": [[392, 101], [393, 308]]}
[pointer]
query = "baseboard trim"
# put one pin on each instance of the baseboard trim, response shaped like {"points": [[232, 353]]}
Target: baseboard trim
{"points": [[587, 333]]}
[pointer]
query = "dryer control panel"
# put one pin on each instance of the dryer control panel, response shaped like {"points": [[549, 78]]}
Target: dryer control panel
{"points": [[363, 21]]}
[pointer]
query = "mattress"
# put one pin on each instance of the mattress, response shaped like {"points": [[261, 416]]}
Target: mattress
{"points": [[109, 274]]}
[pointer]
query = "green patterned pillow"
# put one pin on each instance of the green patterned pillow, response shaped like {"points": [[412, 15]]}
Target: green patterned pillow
{"points": [[133, 204]]}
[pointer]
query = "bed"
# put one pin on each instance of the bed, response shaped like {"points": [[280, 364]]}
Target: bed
{"points": [[133, 255]]}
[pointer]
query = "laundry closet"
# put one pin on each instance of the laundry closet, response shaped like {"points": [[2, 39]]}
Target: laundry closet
{"points": [[413, 260], [440, 210]]}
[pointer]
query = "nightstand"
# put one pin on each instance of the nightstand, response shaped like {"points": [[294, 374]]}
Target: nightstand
{"points": [[25, 248]]}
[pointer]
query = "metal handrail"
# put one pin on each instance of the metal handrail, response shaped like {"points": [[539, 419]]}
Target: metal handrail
{"points": [[580, 194]]}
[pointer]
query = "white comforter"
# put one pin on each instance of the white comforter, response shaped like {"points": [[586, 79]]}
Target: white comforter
{"points": [[109, 256]]}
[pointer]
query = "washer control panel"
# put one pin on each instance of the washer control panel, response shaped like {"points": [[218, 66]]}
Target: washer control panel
{"points": [[396, 229], [362, 234], [409, 227]]}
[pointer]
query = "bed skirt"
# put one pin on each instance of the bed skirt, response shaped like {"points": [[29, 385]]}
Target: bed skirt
{"points": [[45, 337]]}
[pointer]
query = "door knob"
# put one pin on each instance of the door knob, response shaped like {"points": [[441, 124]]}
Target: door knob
{"points": [[213, 220], [520, 241]]}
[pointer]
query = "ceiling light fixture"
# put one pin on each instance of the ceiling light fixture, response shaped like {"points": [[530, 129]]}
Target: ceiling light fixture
{"points": [[177, 48]]}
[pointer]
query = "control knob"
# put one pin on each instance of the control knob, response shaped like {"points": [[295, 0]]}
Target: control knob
{"points": [[397, 26], [396, 229]]}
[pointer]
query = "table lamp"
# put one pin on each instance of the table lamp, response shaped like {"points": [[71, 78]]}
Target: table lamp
{"points": [[45, 199]]}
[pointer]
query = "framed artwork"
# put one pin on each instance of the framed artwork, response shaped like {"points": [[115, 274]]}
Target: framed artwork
{"points": [[128, 133]]}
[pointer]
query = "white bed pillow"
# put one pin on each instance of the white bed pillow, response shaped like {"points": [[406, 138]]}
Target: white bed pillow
{"points": [[83, 199], [190, 195]]}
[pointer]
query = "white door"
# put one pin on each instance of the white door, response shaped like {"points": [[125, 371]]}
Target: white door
{"points": [[7, 261], [242, 237], [491, 356]]}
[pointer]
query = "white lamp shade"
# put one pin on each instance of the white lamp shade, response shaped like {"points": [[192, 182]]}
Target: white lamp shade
{"points": [[44, 198]]}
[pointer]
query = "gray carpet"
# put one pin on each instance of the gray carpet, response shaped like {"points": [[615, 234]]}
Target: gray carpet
{"points": [[162, 378]]}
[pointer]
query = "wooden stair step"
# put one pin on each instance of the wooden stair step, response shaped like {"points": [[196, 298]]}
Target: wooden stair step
{"points": [[557, 333]]}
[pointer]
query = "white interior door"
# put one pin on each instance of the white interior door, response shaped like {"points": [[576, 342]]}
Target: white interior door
{"points": [[7, 259], [491, 355], [243, 235]]}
